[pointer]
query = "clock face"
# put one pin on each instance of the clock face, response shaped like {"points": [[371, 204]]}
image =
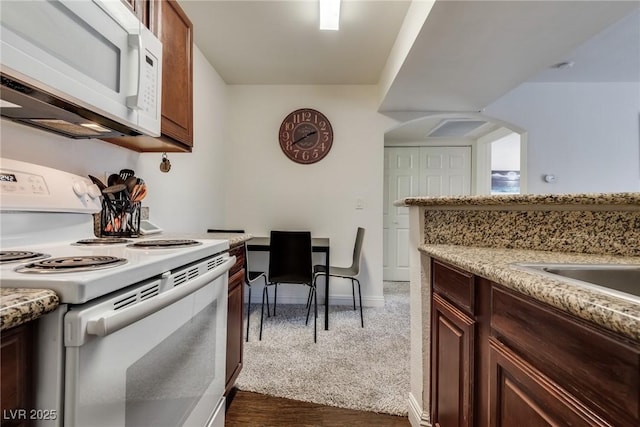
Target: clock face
{"points": [[306, 136]]}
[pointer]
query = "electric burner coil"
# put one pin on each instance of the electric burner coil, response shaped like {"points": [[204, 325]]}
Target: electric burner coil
{"points": [[102, 241], [164, 244], [71, 264], [7, 257]]}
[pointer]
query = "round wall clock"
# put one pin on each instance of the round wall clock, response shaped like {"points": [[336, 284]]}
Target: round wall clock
{"points": [[305, 136]]}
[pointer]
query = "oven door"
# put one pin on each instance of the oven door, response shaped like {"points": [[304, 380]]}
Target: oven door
{"points": [[158, 362]]}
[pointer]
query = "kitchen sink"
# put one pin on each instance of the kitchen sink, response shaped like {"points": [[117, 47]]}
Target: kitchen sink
{"points": [[619, 280]]}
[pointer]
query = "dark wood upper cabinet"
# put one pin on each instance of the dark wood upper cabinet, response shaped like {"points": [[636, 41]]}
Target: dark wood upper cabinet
{"points": [[174, 29], [167, 20], [140, 9]]}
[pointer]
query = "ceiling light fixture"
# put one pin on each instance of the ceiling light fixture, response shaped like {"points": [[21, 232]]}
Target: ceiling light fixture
{"points": [[329, 14]]}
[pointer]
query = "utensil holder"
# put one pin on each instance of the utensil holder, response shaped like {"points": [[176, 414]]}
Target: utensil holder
{"points": [[120, 218]]}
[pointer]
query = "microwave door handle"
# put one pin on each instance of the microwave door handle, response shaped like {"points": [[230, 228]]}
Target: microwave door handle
{"points": [[115, 321], [135, 101]]}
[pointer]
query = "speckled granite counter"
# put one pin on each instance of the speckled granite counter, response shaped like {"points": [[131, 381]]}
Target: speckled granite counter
{"points": [[530, 201], [584, 223], [18, 306], [233, 238], [616, 314]]}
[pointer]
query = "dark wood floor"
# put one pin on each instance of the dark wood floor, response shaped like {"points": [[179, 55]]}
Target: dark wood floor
{"points": [[258, 410]]}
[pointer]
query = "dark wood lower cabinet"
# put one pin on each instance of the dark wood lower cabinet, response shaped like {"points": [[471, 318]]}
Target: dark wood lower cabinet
{"points": [[15, 371], [521, 396], [235, 319], [502, 359], [452, 368]]}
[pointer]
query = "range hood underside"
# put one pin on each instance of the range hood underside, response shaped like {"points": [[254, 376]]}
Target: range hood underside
{"points": [[33, 107]]}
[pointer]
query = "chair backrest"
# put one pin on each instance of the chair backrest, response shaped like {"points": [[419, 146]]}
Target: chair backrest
{"points": [[290, 257], [357, 251]]}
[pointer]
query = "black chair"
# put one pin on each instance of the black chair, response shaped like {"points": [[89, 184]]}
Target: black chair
{"points": [[350, 272], [250, 276], [290, 262]]}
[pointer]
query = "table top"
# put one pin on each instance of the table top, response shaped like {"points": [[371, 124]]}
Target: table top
{"points": [[263, 242]]}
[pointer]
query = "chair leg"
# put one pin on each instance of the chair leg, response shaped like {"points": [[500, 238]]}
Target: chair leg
{"points": [[308, 304], [265, 287], [360, 298], [353, 292], [275, 298], [248, 312], [315, 317], [264, 294]]}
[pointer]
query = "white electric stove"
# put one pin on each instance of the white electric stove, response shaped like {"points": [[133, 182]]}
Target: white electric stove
{"points": [[140, 335]]}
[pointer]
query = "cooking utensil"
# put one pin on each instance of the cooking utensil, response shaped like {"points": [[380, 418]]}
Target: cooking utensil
{"points": [[97, 182], [114, 179], [126, 173], [116, 192], [131, 183], [139, 192]]}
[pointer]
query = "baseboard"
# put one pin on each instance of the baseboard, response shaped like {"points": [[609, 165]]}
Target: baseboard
{"points": [[417, 417]]}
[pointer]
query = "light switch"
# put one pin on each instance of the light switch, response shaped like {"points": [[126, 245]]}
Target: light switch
{"points": [[359, 203]]}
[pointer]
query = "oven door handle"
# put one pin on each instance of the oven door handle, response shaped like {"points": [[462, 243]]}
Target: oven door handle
{"points": [[115, 321]]}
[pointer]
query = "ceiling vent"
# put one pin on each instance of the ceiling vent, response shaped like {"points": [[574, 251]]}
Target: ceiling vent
{"points": [[452, 128]]}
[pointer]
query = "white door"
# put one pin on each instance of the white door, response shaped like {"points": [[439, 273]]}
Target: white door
{"points": [[417, 171], [445, 171], [402, 174]]}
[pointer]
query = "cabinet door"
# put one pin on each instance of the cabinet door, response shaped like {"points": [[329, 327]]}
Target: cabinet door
{"points": [[452, 367], [522, 396], [235, 328], [140, 9], [16, 376], [174, 29]]}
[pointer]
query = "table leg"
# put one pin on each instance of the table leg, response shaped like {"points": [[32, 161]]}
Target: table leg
{"points": [[326, 292]]}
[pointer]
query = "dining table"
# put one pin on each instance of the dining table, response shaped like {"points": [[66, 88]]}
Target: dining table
{"points": [[318, 245]]}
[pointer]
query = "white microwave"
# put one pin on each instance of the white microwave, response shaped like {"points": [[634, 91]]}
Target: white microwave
{"points": [[83, 69]]}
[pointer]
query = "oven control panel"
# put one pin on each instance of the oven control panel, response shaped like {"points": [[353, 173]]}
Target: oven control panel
{"points": [[21, 183], [35, 188]]}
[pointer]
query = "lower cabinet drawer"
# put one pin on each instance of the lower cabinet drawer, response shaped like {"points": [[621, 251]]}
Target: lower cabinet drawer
{"points": [[239, 253], [591, 364], [455, 285], [520, 395]]}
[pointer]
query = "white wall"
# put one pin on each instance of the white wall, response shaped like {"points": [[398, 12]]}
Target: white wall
{"points": [[586, 134], [505, 153], [269, 192], [188, 198]]}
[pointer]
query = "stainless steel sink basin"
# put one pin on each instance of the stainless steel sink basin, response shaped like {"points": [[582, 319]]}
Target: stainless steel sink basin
{"points": [[619, 280]]}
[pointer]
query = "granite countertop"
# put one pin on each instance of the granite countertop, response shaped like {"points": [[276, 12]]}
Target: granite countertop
{"points": [[616, 314], [233, 238], [548, 200], [18, 306]]}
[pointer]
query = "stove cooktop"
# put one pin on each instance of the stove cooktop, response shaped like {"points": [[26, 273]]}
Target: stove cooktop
{"points": [[76, 286]]}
